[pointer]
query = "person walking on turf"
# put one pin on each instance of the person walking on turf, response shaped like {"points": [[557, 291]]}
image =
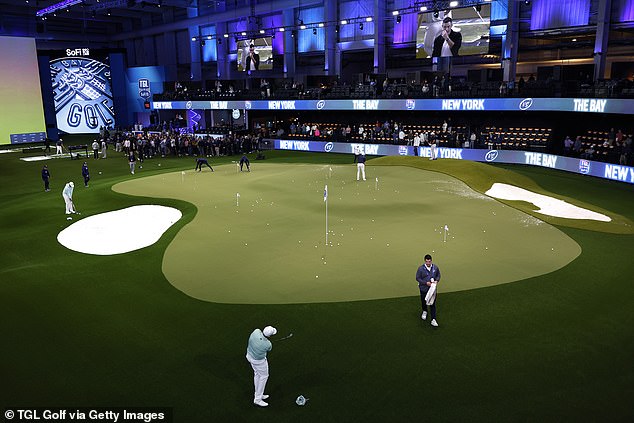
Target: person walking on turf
{"points": [[428, 276], [257, 348], [46, 175], [132, 161], [200, 162], [361, 165], [244, 160], [67, 193], [85, 174]]}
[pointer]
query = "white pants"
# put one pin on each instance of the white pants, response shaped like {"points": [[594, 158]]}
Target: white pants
{"points": [[69, 204], [433, 152], [58, 149], [260, 376], [361, 168]]}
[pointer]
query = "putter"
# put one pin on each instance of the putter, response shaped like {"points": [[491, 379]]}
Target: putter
{"points": [[290, 335]]}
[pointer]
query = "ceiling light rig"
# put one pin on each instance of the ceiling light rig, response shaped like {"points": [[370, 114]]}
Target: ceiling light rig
{"points": [[437, 5], [418, 6], [57, 6]]}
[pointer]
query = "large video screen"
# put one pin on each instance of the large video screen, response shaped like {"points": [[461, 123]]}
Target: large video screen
{"points": [[82, 91], [454, 32], [255, 54], [21, 108]]}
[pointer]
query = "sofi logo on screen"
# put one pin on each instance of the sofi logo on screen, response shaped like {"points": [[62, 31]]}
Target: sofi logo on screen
{"points": [[72, 52]]}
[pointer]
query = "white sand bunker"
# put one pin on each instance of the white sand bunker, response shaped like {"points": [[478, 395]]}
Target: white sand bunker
{"points": [[119, 231], [547, 205]]}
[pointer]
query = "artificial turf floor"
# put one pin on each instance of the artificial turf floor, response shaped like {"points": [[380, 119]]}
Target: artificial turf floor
{"points": [[93, 331], [271, 223]]}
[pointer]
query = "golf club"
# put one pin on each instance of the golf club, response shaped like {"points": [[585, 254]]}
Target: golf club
{"points": [[290, 335]]}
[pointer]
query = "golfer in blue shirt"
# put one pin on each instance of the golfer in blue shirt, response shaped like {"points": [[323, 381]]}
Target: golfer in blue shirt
{"points": [[85, 174], [244, 160], [46, 175]]}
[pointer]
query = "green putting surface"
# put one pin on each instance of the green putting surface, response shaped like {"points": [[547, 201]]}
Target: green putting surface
{"points": [[268, 244]]}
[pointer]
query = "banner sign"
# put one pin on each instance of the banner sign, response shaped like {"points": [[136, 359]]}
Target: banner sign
{"points": [[583, 105], [569, 164]]}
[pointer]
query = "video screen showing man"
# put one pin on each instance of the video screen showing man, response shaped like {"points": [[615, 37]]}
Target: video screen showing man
{"points": [[254, 55], [454, 32], [448, 42]]}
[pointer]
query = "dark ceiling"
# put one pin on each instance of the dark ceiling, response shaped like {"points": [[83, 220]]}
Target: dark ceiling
{"points": [[96, 20]]}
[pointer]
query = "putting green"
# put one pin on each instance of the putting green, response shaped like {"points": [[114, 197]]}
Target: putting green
{"points": [[270, 248]]}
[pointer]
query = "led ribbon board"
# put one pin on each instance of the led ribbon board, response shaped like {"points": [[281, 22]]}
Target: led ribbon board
{"points": [[586, 105], [581, 166]]}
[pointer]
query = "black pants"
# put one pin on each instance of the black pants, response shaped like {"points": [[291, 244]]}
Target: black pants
{"points": [[432, 308], [199, 166], [46, 184]]}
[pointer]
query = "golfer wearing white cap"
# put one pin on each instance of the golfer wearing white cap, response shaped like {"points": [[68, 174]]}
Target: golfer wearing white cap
{"points": [[67, 193], [257, 348]]}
